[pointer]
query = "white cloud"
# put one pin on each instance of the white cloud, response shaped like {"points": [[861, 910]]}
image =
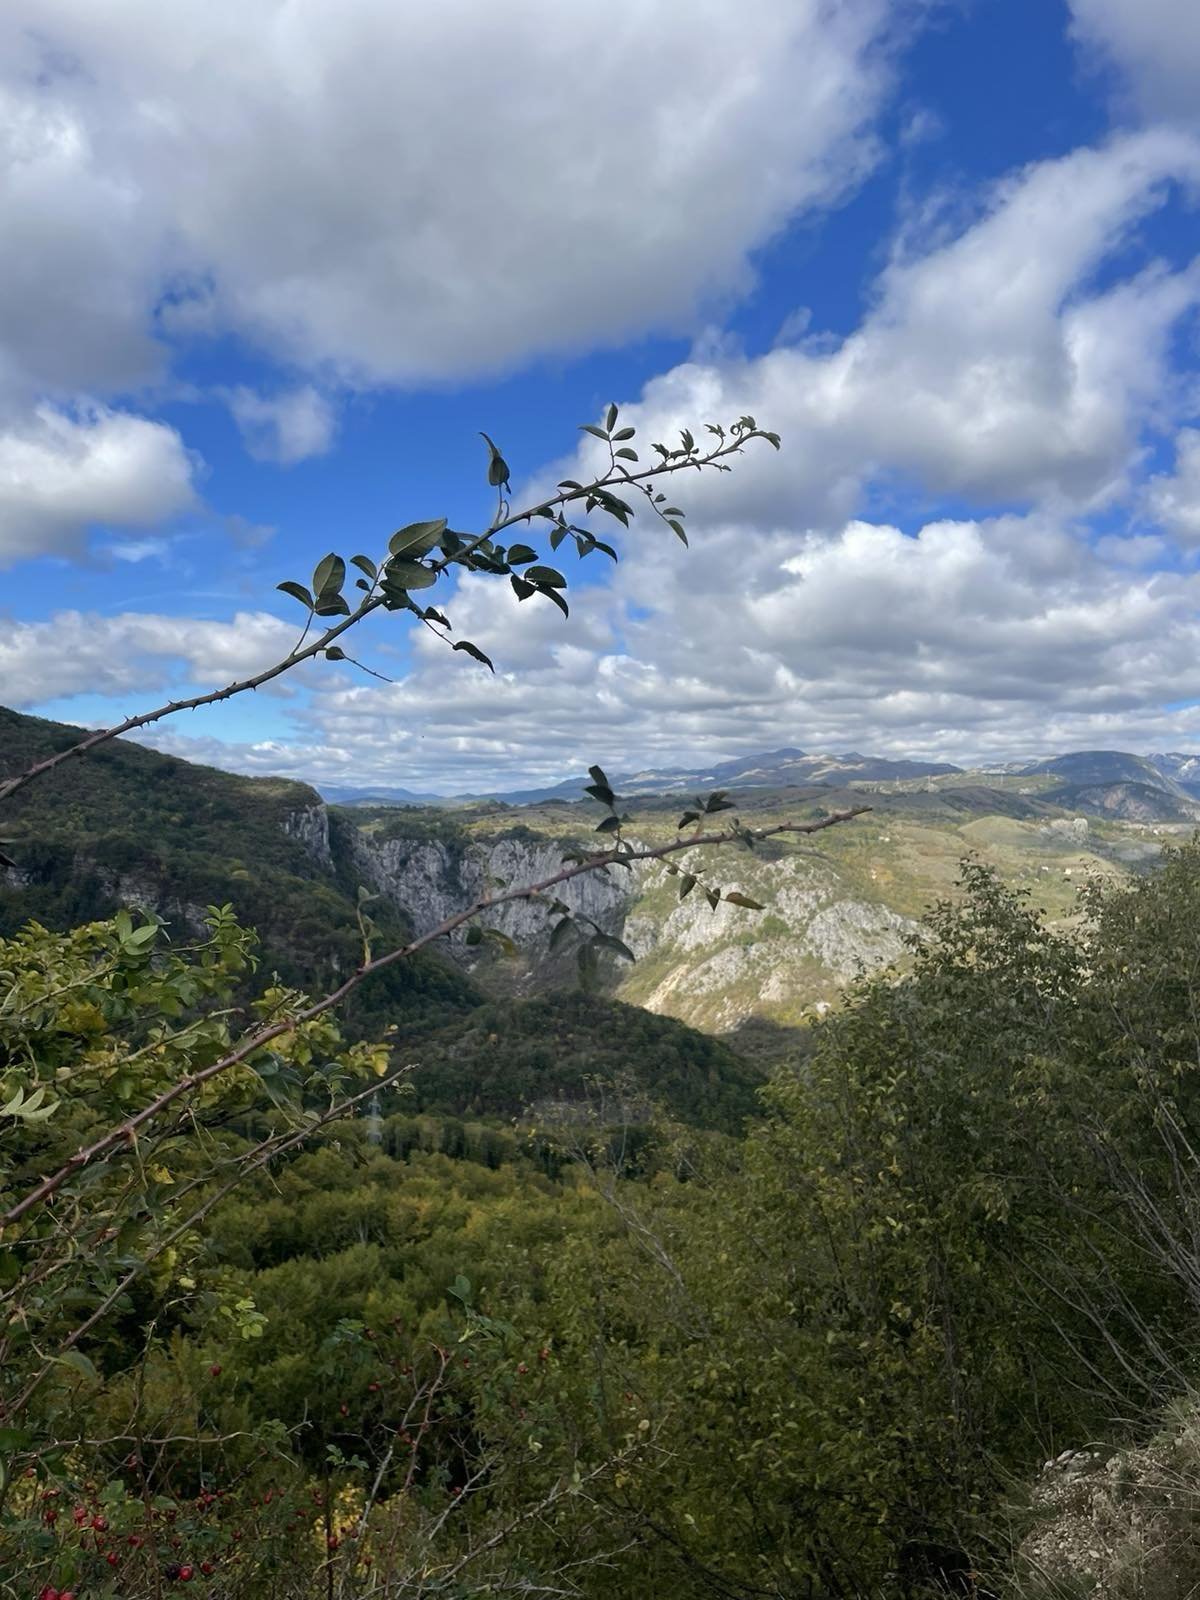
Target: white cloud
{"points": [[1172, 500], [1154, 43], [1003, 364], [404, 197], [971, 639], [285, 427], [61, 471], [133, 654]]}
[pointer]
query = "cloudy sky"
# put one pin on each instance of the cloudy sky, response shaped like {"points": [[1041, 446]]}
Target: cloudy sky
{"points": [[268, 269]]}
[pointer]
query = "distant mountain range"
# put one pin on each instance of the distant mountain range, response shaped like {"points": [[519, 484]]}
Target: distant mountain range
{"points": [[1172, 775]]}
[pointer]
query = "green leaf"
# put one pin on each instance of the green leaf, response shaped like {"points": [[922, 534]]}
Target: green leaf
{"points": [[474, 651], [408, 575], [331, 605], [365, 564], [545, 576], [297, 592], [717, 802], [624, 433], [608, 825], [334, 652], [474, 935], [521, 589], [588, 427], [606, 941], [610, 419], [676, 528], [601, 792], [519, 554], [497, 466], [79, 1362], [598, 776], [329, 575], [713, 896], [626, 454], [562, 930], [686, 884], [687, 819], [417, 539], [736, 898], [552, 594]]}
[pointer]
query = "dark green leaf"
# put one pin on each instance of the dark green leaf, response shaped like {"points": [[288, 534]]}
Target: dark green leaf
{"points": [[408, 575], [610, 419], [417, 539], [686, 884], [519, 554], [736, 898], [626, 454], [331, 605], [475, 652], [597, 775], [624, 433], [474, 935], [329, 575], [687, 819], [364, 564], [297, 592], [521, 589], [608, 825], [545, 576], [561, 931], [601, 792], [599, 433], [606, 941], [497, 466], [677, 529]]}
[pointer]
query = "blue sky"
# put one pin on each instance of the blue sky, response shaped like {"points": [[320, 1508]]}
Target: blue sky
{"points": [[270, 271]]}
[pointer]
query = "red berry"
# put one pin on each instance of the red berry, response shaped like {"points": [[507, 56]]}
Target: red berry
{"points": [[345, 1410], [113, 1560], [544, 1354], [49, 1593], [215, 1370], [522, 1369], [185, 1574], [50, 1518], [100, 1524], [66, 1594], [80, 1515], [373, 1387], [206, 1567]]}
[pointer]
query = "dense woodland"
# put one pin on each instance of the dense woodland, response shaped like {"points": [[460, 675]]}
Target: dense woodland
{"points": [[578, 1304]]}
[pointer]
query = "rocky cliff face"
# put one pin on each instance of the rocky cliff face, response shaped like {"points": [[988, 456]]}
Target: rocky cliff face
{"points": [[428, 880], [709, 968], [310, 828]]}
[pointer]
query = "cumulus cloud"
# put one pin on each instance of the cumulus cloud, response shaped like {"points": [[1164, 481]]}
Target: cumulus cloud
{"points": [[1155, 44], [1172, 500], [973, 638], [63, 470], [285, 427], [413, 198], [133, 654], [1004, 363]]}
